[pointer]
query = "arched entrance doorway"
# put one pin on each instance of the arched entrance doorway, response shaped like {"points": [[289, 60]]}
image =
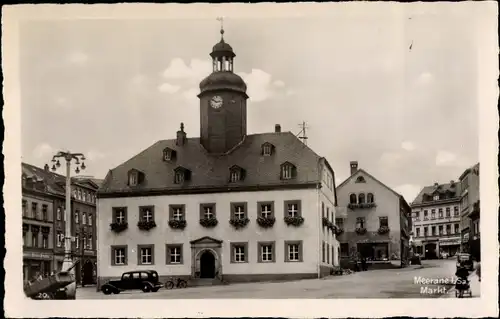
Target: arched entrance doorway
{"points": [[207, 265], [88, 273]]}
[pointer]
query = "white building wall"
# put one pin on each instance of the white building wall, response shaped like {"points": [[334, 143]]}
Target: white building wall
{"points": [[252, 233]]}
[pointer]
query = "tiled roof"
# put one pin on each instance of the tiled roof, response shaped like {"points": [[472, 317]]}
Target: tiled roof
{"points": [[440, 188], [212, 171], [55, 182]]}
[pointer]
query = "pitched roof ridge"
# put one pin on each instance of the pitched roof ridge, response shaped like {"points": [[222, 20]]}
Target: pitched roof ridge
{"points": [[372, 177]]}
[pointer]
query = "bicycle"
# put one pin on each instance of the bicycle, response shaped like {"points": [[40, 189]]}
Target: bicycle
{"points": [[178, 283]]}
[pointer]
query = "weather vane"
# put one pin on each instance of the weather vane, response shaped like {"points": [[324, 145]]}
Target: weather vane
{"points": [[221, 19]]}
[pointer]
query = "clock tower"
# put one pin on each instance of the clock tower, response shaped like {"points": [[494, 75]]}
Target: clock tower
{"points": [[223, 103]]}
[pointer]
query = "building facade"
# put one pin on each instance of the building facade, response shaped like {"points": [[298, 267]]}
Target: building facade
{"points": [[436, 220], [375, 220], [470, 212], [227, 206], [44, 222]]}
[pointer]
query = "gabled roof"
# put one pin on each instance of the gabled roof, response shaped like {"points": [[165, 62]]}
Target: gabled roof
{"points": [[211, 171], [376, 180], [206, 239]]}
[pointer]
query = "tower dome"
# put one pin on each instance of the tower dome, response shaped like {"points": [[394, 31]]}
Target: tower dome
{"points": [[222, 76]]}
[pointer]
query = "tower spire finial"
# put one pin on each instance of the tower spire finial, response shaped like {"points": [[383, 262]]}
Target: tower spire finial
{"points": [[221, 20]]}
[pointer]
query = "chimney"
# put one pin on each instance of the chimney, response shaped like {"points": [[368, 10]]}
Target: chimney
{"points": [[354, 167], [46, 167], [181, 136], [436, 184], [277, 128]]}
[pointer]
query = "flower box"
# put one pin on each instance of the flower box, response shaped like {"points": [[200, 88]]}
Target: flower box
{"points": [[239, 222], [266, 222], [118, 227], [146, 225], [339, 231], [361, 230], [177, 224], [383, 230], [209, 222], [332, 227], [326, 222], [294, 221], [362, 205]]}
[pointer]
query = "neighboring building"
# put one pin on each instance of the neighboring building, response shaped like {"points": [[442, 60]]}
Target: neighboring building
{"points": [[44, 194], [470, 212], [223, 207], [436, 220], [376, 222]]}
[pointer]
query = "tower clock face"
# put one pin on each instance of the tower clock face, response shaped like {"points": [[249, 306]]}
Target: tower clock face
{"points": [[216, 102]]}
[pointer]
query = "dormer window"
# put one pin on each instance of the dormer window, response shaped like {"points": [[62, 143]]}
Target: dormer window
{"points": [[135, 177], [267, 149], [288, 170], [181, 175], [169, 154], [236, 174]]}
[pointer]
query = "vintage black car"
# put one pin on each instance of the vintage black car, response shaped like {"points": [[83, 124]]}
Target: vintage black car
{"points": [[145, 280]]}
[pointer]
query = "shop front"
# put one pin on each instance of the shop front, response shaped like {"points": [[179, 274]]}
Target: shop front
{"points": [[36, 263], [449, 246]]}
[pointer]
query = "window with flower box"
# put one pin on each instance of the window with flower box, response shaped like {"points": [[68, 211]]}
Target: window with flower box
{"points": [[145, 254], [207, 211], [119, 255], [266, 252], [239, 252], [174, 254], [383, 221], [119, 215], [353, 199], [266, 209], [292, 208], [147, 213], [370, 198], [177, 212], [293, 251], [360, 222], [239, 210], [361, 198]]}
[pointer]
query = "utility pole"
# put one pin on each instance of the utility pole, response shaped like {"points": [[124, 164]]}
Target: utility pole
{"points": [[68, 258], [303, 132]]}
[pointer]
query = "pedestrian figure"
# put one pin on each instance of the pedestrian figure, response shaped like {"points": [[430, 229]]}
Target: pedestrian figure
{"points": [[478, 271], [363, 263]]}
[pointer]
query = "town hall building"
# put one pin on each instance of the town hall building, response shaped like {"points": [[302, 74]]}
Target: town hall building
{"points": [[225, 207]]}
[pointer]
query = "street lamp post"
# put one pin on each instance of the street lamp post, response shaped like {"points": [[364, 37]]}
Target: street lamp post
{"points": [[68, 260]]}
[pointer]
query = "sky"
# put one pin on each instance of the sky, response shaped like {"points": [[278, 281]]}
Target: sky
{"points": [[394, 90]]}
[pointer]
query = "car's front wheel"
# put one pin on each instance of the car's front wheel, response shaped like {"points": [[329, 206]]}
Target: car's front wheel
{"points": [[106, 291], [146, 288]]}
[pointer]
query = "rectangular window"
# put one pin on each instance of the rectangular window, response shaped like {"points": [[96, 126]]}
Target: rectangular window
{"points": [[239, 252], [119, 255], [91, 245], [146, 254], [457, 228], [58, 213], [448, 229], [132, 179], [45, 212], [45, 241], [34, 210], [440, 230], [266, 209], [25, 208], [440, 213], [455, 211], [433, 214], [90, 219], [360, 222], [344, 249], [77, 216], [448, 212], [174, 254], [34, 239], [177, 212], [239, 210], [322, 209], [286, 172], [426, 231], [293, 251], [85, 243], [266, 252], [77, 241], [179, 178], [84, 218], [119, 215], [323, 254], [25, 242], [433, 230], [59, 239], [235, 176], [339, 222], [292, 208], [146, 213], [436, 197], [426, 215], [207, 211], [327, 253], [418, 231], [417, 215], [383, 221]]}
